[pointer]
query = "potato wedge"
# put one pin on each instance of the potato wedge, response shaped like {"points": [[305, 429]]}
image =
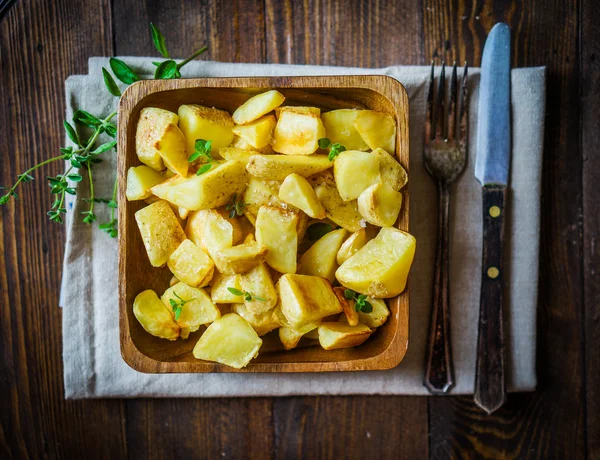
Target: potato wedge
{"points": [[350, 313], [320, 259], [278, 167], [392, 172], [291, 337], [191, 265], [209, 190], [230, 340], [354, 171], [194, 228], [217, 234], [257, 133], [220, 293], [140, 179], [380, 205], [258, 193], [240, 258], [242, 144], [343, 213], [297, 133], [259, 283], [349, 247], [197, 309], [150, 128], [339, 335], [160, 230], [277, 230], [298, 109], [199, 122], [262, 324], [154, 317], [257, 106], [378, 316], [172, 149], [378, 130], [297, 191], [380, 268], [233, 153], [306, 299], [339, 126]]}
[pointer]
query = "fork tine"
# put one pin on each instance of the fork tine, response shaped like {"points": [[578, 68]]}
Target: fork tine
{"points": [[429, 121], [463, 126], [439, 106], [451, 131]]}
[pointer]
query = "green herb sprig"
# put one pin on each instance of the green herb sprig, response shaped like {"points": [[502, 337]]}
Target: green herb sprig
{"points": [[361, 303], [177, 305], [86, 153], [335, 149], [202, 150], [235, 207], [248, 296]]}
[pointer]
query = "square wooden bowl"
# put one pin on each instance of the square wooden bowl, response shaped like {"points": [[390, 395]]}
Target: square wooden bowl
{"points": [[145, 353]]}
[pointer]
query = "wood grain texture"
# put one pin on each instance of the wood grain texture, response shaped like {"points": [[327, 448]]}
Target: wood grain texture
{"points": [[590, 140], [552, 417]]}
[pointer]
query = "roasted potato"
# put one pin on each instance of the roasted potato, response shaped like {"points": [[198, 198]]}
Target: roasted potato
{"points": [[196, 308], [140, 179], [240, 258], [220, 285], [234, 153], [217, 234], [278, 167], [378, 316], [380, 268], [262, 324], [298, 109], [392, 173], [259, 284], [350, 313], [154, 317], [339, 126], [343, 213], [230, 340], [297, 133], [191, 265], [257, 106], [257, 133], [242, 144], [339, 335], [306, 299], [151, 128], [354, 171], [212, 189], [297, 191], [320, 259], [172, 149], [291, 337], [378, 130], [277, 230], [199, 122], [380, 204], [160, 230], [349, 247]]}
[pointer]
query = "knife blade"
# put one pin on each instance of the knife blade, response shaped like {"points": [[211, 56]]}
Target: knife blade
{"points": [[492, 171]]}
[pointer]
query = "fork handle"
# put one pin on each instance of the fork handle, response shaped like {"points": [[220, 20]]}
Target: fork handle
{"points": [[490, 391], [439, 373]]}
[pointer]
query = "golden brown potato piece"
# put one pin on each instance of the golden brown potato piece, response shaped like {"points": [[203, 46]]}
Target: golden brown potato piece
{"points": [[140, 179], [306, 299], [278, 167], [262, 324], [339, 126], [240, 258], [392, 172], [320, 259], [297, 191], [257, 106], [160, 230], [380, 268], [233, 153], [377, 129], [230, 340], [194, 310], [380, 204], [297, 133], [257, 133], [339, 335], [291, 337], [154, 317], [277, 230], [199, 122], [350, 312], [220, 285], [378, 316], [150, 128], [354, 171], [217, 234], [349, 247], [298, 109], [171, 147], [343, 213], [259, 284], [191, 264]]}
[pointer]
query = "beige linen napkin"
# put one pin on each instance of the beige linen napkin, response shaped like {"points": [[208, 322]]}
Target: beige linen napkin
{"points": [[93, 366]]}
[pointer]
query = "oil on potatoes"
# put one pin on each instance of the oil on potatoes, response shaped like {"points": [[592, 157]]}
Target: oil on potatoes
{"points": [[264, 231]]}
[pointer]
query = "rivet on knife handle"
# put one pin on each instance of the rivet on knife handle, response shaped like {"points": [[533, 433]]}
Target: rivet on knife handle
{"points": [[490, 386]]}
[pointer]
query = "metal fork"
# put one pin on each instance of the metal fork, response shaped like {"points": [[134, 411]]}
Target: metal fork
{"points": [[445, 157]]}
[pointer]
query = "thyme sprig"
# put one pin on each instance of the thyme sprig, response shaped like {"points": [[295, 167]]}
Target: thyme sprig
{"points": [[361, 303]]}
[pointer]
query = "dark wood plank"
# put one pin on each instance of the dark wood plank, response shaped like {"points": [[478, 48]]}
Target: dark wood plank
{"points": [[41, 43], [551, 421], [590, 140]]}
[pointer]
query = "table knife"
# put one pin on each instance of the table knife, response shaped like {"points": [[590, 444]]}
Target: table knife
{"points": [[492, 171]]}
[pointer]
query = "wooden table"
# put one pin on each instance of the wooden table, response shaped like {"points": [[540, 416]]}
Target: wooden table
{"points": [[44, 41]]}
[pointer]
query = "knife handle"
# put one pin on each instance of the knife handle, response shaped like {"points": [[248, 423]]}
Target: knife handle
{"points": [[490, 386]]}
